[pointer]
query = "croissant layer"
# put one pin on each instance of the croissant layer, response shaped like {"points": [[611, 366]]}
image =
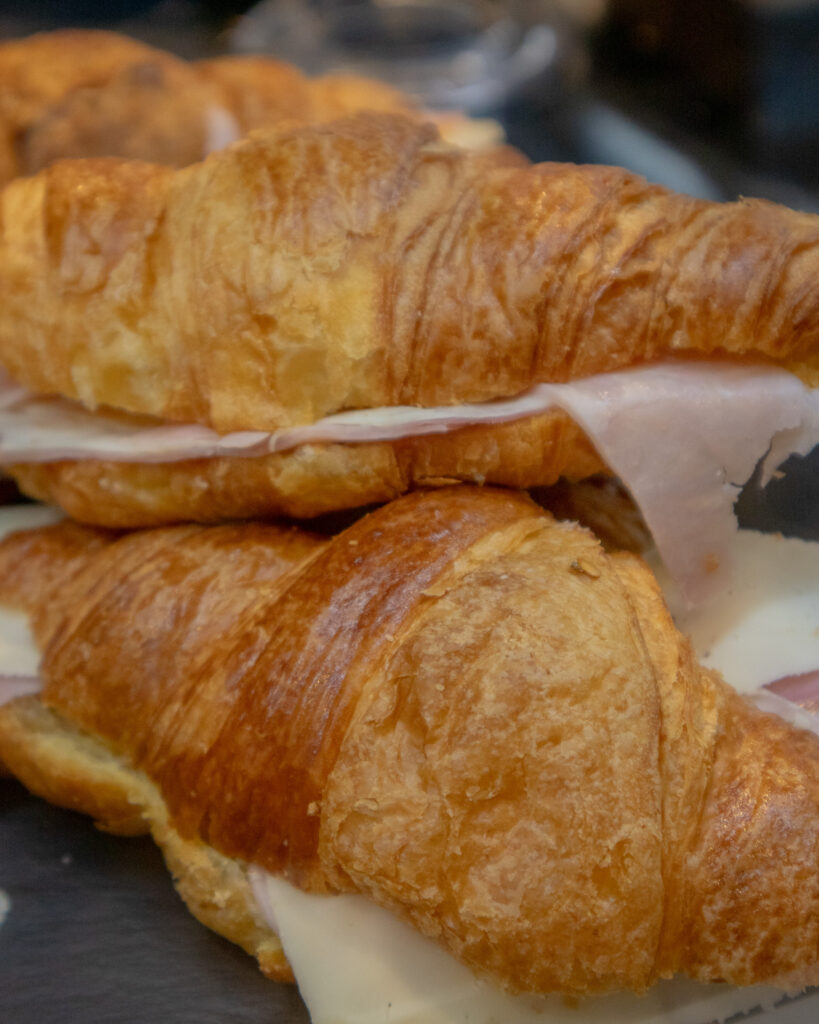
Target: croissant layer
{"points": [[68, 767], [75, 93], [365, 264], [88, 93], [313, 479], [459, 707]]}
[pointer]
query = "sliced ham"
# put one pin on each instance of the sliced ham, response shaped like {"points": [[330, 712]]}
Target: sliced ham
{"points": [[794, 698], [683, 437], [802, 689], [775, 704], [18, 686]]}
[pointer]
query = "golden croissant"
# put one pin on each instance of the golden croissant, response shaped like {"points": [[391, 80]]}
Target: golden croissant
{"points": [[83, 93], [366, 265], [459, 707]]}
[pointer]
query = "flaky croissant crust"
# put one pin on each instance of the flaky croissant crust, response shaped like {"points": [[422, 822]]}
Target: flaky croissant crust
{"points": [[89, 93], [459, 707], [313, 479], [364, 263]]}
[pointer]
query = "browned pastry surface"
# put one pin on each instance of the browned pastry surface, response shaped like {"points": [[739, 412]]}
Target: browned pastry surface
{"points": [[312, 479], [89, 93], [70, 768], [459, 707], [84, 93], [262, 92], [365, 264]]}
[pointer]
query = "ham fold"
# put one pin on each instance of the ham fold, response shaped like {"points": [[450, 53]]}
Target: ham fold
{"points": [[12, 687], [682, 436]]}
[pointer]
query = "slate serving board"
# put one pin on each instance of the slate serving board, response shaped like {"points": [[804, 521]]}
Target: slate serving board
{"points": [[95, 933]]}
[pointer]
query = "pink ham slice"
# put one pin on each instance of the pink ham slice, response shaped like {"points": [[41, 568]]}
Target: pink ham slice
{"points": [[794, 698], [18, 686], [802, 689], [683, 437]]}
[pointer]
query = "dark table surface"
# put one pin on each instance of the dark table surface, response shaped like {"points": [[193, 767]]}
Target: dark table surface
{"points": [[95, 933]]}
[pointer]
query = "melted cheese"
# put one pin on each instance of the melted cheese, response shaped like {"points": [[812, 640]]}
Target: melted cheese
{"points": [[356, 963], [765, 625], [19, 656]]}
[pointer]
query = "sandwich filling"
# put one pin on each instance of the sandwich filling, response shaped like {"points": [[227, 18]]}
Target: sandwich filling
{"points": [[19, 656], [683, 437], [356, 963]]}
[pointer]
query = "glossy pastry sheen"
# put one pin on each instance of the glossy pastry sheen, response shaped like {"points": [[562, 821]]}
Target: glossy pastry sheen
{"points": [[365, 264], [458, 707]]}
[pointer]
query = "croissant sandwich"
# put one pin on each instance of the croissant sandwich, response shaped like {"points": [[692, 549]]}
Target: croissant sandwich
{"points": [[459, 708], [88, 93], [325, 316]]}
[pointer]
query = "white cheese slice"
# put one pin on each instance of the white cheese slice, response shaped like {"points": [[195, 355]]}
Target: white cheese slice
{"points": [[18, 653], [27, 517], [356, 963], [19, 656], [221, 129], [765, 624]]}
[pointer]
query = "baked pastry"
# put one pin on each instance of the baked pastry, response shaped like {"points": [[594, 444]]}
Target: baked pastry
{"points": [[365, 265], [85, 93], [261, 92], [91, 93], [458, 707]]}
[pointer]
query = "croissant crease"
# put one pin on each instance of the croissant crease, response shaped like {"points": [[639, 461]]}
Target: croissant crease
{"points": [[459, 707], [365, 264]]}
